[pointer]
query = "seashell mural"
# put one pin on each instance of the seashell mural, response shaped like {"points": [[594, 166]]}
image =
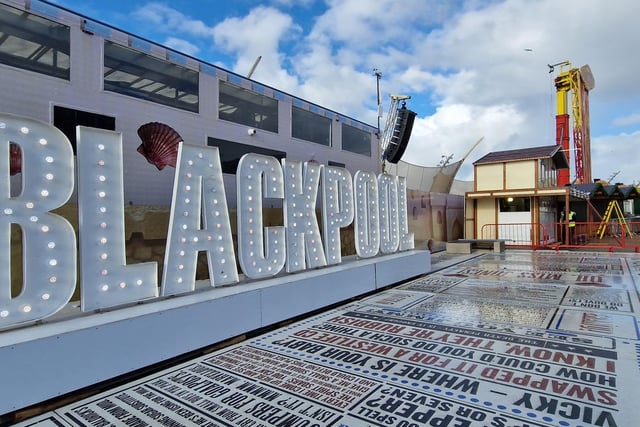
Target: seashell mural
{"points": [[159, 144], [15, 159]]}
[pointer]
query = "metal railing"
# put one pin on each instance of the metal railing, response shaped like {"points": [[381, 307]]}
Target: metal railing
{"points": [[517, 234], [558, 235]]}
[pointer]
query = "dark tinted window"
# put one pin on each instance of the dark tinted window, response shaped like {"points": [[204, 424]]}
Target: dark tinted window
{"points": [[356, 140], [230, 153], [33, 43], [310, 126], [134, 73], [66, 119], [515, 204], [246, 107]]}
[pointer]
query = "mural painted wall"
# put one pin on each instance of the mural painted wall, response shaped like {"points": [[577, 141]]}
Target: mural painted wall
{"points": [[434, 216]]}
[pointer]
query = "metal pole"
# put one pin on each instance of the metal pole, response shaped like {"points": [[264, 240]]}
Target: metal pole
{"points": [[378, 75], [253, 68]]}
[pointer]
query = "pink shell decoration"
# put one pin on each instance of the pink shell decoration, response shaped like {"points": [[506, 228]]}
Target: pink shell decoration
{"points": [[15, 159], [159, 144]]}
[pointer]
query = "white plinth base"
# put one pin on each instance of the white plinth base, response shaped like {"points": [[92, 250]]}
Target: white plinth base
{"points": [[68, 353]]}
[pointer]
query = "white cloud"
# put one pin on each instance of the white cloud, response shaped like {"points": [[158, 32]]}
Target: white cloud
{"points": [[478, 60], [632, 119], [292, 3], [259, 34], [167, 19], [616, 153], [455, 128], [380, 23], [181, 45], [473, 68]]}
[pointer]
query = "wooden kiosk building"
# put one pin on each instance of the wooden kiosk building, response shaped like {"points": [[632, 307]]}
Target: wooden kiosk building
{"points": [[514, 191], [516, 198]]}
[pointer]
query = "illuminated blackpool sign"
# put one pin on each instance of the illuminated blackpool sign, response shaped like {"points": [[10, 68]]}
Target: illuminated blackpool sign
{"points": [[199, 220]]}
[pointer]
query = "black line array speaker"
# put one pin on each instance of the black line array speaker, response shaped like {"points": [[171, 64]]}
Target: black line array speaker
{"points": [[400, 137]]}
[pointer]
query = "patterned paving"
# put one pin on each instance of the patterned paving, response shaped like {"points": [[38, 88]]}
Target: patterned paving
{"points": [[501, 340]]}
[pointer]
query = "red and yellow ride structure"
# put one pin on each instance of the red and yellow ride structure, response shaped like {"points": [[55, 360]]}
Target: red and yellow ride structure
{"points": [[578, 82]]}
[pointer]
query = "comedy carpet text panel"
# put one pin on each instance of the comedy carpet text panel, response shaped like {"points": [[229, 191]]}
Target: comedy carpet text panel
{"points": [[502, 340]]}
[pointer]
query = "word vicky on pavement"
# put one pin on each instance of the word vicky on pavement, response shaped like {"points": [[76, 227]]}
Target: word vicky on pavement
{"points": [[199, 220]]}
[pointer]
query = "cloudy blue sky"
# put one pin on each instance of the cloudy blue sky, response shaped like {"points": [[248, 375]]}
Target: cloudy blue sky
{"points": [[473, 68]]}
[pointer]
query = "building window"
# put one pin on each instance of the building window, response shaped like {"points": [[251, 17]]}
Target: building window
{"points": [[33, 43], [245, 107], [337, 164], [66, 119], [548, 176], [515, 204], [356, 140], [134, 73], [310, 126], [230, 153]]}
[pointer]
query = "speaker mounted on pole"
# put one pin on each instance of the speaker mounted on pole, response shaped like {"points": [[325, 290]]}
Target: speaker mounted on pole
{"points": [[400, 135]]}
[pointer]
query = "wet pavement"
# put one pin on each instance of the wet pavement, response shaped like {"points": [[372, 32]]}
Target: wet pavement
{"points": [[520, 338]]}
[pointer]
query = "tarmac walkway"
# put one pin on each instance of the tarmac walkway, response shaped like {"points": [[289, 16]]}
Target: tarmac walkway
{"points": [[520, 338]]}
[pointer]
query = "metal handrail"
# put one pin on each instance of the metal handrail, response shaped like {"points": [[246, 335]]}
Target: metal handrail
{"points": [[558, 235]]}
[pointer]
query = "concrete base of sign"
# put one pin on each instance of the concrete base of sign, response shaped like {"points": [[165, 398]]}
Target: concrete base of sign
{"points": [[73, 350], [465, 246]]}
